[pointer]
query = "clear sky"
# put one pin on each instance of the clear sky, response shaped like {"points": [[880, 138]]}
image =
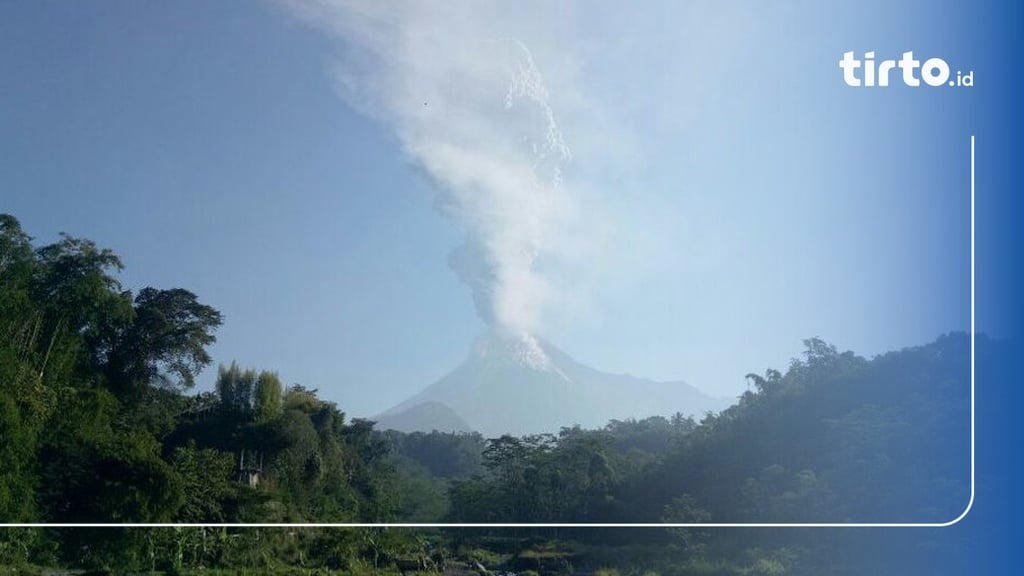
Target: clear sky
{"points": [[308, 169]]}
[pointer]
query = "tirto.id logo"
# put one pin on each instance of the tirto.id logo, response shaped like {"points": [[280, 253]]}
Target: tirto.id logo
{"points": [[933, 71]]}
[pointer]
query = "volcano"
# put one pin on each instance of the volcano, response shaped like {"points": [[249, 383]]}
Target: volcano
{"points": [[521, 384]]}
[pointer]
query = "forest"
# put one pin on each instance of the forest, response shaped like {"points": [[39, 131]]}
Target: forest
{"points": [[100, 423]]}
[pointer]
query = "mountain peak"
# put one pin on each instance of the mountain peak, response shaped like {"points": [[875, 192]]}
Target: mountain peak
{"points": [[518, 383], [516, 349]]}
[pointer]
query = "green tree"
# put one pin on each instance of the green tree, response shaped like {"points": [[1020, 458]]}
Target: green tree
{"points": [[165, 344], [267, 397], [207, 480], [94, 470], [235, 388], [75, 290], [683, 509]]}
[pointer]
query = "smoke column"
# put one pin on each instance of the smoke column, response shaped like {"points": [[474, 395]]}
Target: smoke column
{"points": [[470, 107]]}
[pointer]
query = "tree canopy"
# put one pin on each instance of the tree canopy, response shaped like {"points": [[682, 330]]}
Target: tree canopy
{"points": [[99, 423]]}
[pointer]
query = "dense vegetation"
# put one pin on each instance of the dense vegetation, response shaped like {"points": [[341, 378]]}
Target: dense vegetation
{"points": [[98, 424]]}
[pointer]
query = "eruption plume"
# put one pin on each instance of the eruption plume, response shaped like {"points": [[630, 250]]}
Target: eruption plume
{"points": [[472, 110]]}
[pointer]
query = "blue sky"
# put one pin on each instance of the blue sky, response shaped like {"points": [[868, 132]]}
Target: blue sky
{"points": [[727, 194]]}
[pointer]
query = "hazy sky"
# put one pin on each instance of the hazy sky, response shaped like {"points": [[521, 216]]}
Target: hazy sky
{"points": [[673, 190]]}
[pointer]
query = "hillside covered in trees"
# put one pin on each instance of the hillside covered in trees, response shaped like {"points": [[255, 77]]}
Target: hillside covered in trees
{"points": [[99, 424]]}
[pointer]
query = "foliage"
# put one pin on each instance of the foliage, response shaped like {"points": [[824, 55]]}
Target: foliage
{"points": [[98, 424], [95, 425]]}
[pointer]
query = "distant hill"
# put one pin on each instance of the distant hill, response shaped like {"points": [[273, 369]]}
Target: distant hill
{"points": [[836, 438], [423, 417], [521, 384]]}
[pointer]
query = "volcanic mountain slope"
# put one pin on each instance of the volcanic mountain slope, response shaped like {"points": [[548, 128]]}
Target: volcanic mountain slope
{"points": [[521, 384], [423, 417]]}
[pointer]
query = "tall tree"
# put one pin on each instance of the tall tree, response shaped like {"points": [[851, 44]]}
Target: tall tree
{"points": [[165, 344], [76, 290], [267, 397], [235, 387]]}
